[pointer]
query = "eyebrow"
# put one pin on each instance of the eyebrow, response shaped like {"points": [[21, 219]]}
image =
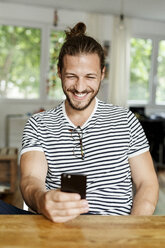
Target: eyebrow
{"points": [[69, 73], [91, 74]]}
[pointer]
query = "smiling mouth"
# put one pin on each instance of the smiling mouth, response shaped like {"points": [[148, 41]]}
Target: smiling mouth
{"points": [[80, 95]]}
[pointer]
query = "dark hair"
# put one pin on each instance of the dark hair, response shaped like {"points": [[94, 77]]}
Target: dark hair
{"points": [[77, 42]]}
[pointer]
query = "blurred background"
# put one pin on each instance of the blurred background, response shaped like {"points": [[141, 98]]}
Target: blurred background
{"points": [[132, 33]]}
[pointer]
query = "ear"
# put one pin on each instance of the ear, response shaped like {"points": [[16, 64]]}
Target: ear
{"points": [[103, 73], [59, 72]]}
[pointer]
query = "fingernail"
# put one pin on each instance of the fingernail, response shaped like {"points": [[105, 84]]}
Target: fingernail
{"points": [[77, 197], [84, 203], [86, 209]]}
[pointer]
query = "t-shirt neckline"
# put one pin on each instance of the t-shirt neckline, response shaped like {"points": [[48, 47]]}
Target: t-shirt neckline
{"points": [[90, 117]]}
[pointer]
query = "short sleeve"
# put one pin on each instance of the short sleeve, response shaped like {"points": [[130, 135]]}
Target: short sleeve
{"points": [[138, 141], [30, 140]]}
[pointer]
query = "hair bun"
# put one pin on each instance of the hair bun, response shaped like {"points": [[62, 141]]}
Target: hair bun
{"points": [[78, 30]]}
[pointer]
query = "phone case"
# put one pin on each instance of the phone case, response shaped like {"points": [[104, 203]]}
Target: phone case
{"points": [[74, 183]]}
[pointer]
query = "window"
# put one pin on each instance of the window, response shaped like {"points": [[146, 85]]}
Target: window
{"points": [[21, 70], [147, 71], [19, 62], [54, 89], [160, 92], [141, 50]]}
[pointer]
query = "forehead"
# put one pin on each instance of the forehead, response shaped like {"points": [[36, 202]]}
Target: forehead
{"points": [[88, 61]]}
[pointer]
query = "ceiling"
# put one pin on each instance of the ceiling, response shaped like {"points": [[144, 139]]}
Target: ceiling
{"points": [[145, 9]]}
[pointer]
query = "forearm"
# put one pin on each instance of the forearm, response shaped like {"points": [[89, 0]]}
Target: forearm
{"points": [[32, 190], [145, 200], [55, 205]]}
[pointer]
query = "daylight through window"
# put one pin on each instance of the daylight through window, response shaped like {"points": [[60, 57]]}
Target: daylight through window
{"points": [[160, 92], [20, 50], [141, 50], [54, 89]]}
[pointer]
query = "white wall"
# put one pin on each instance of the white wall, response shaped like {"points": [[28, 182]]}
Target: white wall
{"points": [[145, 27], [29, 15]]}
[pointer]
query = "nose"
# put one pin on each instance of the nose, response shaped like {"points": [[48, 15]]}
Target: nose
{"points": [[80, 85]]}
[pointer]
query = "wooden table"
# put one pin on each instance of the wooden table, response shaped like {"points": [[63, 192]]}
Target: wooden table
{"points": [[85, 231]]}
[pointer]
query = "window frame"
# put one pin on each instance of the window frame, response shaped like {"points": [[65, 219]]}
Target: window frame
{"points": [[44, 60], [153, 73]]}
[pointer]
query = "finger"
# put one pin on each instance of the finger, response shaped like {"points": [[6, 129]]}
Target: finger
{"points": [[69, 211], [59, 196], [71, 204]]}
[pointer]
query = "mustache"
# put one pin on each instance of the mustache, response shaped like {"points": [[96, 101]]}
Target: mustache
{"points": [[79, 92]]}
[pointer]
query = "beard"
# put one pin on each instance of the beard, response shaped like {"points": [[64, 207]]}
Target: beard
{"points": [[79, 106]]}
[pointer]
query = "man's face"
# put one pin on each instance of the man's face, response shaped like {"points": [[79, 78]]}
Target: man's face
{"points": [[81, 77]]}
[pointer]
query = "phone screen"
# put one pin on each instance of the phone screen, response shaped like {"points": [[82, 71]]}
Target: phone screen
{"points": [[74, 183]]}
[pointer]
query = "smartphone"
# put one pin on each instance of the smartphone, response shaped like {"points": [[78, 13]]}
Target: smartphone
{"points": [[74, 183]]}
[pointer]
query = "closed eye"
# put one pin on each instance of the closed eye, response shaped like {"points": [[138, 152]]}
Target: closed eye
{"points": [[70, 76], [91, 77]]}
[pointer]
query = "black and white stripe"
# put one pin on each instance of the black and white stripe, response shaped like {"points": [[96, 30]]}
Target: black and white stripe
{"points": [[110, 137]]}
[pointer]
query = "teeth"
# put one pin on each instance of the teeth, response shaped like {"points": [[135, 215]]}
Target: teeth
{"points": [[80, 94]]}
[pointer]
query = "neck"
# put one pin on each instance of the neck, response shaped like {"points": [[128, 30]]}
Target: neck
{"points": [[79, 117]]}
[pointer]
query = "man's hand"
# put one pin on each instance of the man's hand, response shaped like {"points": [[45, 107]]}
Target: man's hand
{"points": [[60, 206], [55, 205]]}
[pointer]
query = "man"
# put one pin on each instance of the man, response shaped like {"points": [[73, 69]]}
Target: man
{"points": [[114, 150]]}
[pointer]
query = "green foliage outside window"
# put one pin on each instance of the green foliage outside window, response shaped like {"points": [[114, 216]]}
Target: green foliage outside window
{"points": [[160, 93], [54, 89], [141, 50], [19, 62]]}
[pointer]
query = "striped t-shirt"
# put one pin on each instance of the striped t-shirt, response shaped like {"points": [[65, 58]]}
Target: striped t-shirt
{"points": [[110, 137]]}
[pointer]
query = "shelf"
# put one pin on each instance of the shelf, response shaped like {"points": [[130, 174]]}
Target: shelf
{"points": [[4, 188]]}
